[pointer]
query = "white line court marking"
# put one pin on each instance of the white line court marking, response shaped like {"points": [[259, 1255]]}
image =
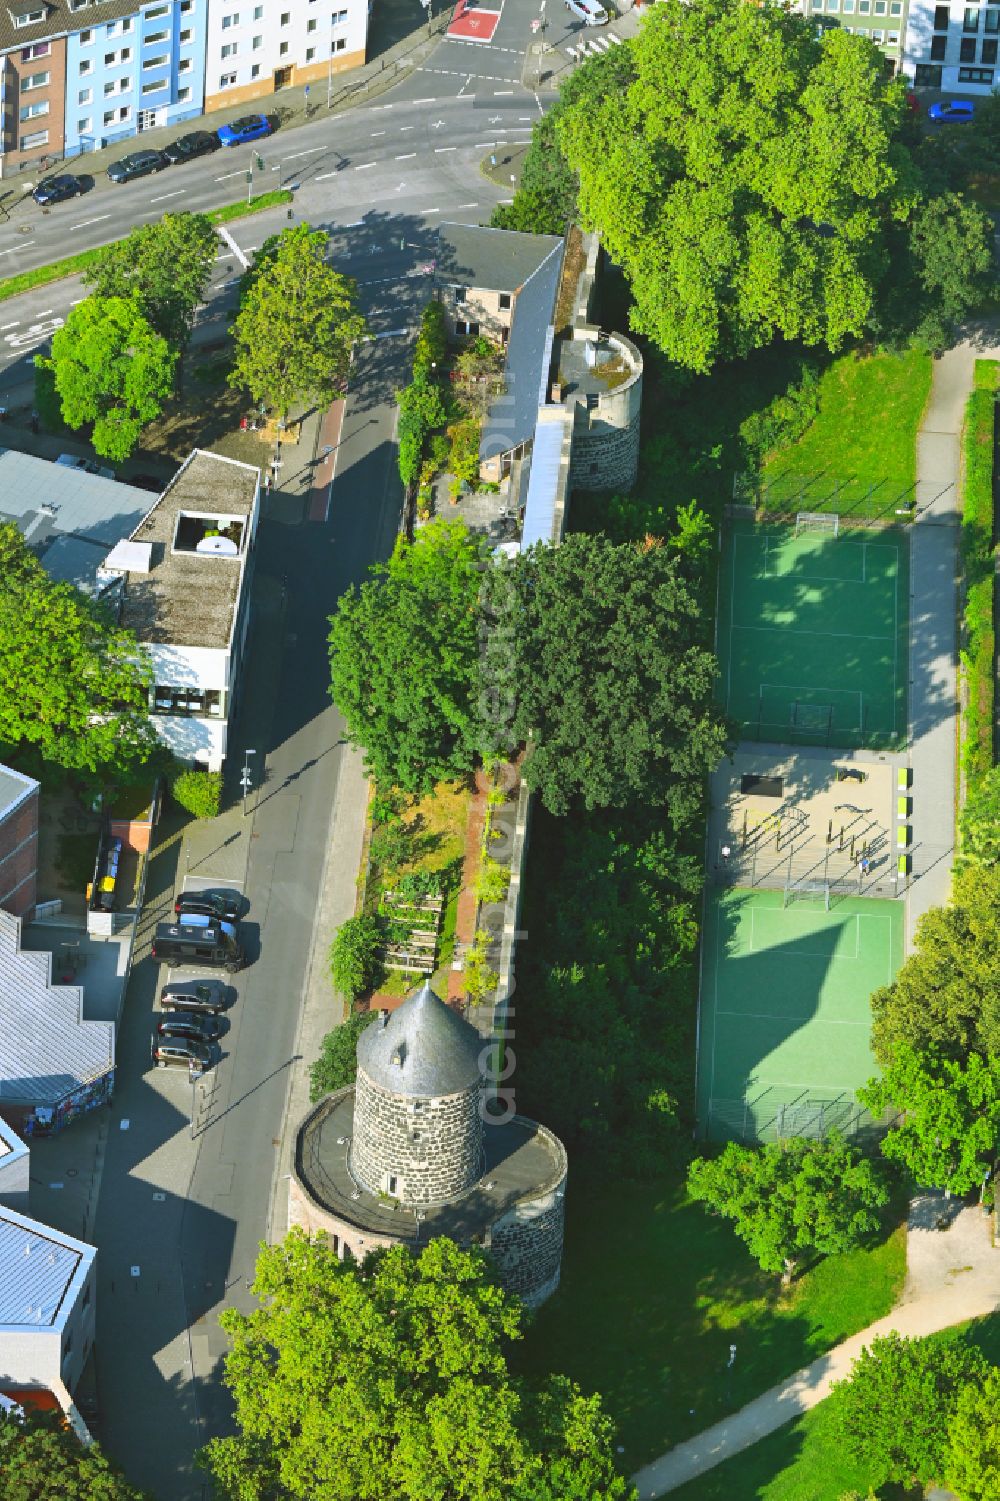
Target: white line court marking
{"points": [[797, 630], [90, 221], [777, 1016]]}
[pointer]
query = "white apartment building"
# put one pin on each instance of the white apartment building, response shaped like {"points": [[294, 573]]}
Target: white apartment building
{"points": [[183, 580], [257, 47], [952, 47]]}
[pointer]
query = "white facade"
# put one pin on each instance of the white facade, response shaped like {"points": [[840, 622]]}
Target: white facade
{"points": [[257, 47], [207, 672], [48, 1288], [14, 1169], [952, 47]]}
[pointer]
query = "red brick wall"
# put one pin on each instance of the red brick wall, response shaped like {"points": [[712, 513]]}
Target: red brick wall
{"points": [[19, 857]]}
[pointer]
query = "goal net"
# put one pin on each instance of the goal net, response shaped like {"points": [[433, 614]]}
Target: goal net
{"points": [[815, 717], [817, 521]]}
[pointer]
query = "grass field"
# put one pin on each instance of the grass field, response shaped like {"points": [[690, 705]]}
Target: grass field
{"points": [[650, 1327], [785, 1015], [812, 635], [858, 456]]}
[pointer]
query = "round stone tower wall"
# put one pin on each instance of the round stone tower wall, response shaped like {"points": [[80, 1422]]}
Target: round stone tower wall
{"points": [[420, 1151], [526, 1243], [606, 435]]}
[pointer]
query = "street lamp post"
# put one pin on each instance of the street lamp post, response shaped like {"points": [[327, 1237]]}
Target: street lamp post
{"points": [[246, 781]]}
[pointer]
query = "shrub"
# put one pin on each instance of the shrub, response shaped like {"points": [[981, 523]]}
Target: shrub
{"points": [[480, 979], [354, 956], [392, 845], [783, 420], [464, 458], [432, 340], [978, 566], [492, 881], [337, 1064], [198, 792]]}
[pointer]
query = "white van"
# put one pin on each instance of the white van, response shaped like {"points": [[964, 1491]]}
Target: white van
{"points": [[588, 11]]}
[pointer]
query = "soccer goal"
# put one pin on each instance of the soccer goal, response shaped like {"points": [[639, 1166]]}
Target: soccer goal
{"points": [[813, 719], [796, 891], [817, 521]]}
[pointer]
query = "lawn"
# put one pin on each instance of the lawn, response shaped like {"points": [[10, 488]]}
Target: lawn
{"points": [[858, 456], [651, 1329]]}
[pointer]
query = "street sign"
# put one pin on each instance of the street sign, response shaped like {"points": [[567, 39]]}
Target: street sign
{"points": [[535, 25]]}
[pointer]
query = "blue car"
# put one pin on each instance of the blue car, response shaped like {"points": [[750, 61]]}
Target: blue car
{"points": [[249, 128], [953, 112]]}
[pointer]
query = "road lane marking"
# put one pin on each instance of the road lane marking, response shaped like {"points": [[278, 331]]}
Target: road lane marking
{"points": [[425, 101], [439, 149], [501, 93], [17, 247], [426, 211], [176, 194], [45, 312], [406, 156], [407, 127], [468, 205], [296, 154], [15, 324], [90, 221], [222, 231], [76, 302], [377, 133], [226, 175]]}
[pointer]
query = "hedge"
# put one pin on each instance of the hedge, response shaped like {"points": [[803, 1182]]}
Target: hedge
{"points": [[978, 570]]}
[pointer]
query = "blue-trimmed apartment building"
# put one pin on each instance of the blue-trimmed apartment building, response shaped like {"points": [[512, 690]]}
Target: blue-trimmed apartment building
{"points": [[135, 72]]}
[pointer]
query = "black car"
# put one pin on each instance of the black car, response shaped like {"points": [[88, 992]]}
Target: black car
{"points": [[206, 997], [138, 164], [189, 1024], [186, 148], [55, 189], [224, 906], [183, 1052]]}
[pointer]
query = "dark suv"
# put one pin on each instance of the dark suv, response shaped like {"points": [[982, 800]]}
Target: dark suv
{"points": [[183, 1052], [200, 1028], [196, 143], [138, 164], [56, 189], [206, 997], [224, 906]]}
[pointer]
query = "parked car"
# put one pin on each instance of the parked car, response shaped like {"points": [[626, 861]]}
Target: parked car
{"points": [[198, 939], [247, 128], [206, 997], [588, 11], [951, 112], [138, 164], [183, 1052], [224, 905], [196, 143], [85, 466], [189, 1024], [55, 189]]}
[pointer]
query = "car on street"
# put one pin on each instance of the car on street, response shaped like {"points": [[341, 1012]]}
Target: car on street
{"points": [[224, 905], [85, 466], [588, 11], [951, 111], [206, 997], [196, 143], [189, 1024], [138, 164], [247, 128], [56, 189], [183, 1052]]}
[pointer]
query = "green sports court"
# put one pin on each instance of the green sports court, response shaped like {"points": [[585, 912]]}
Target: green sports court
{"points": [[784, 1020], [812, 639]]}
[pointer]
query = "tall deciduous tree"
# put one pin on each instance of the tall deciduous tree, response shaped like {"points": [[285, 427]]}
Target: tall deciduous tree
{"points": [[112, 369], [793, 1198], [390, 1380], [744, 179], [895, 1410], [337, 1064], [71, 682], [41, 1461], [979, 822], [297, 324], [949, 1116], [165, 267], [404, 660], [972, 1466], [595, 652]]}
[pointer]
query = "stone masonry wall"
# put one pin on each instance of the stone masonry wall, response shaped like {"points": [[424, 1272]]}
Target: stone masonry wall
{"points": [[527, 1241], [606, 436], [433, 1149]]}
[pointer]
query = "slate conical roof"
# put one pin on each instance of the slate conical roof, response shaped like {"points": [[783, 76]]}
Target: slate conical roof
{"points": [[422, 1049]]}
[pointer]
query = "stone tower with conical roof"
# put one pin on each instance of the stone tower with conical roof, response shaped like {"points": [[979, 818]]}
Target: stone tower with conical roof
{"points": [[418, 1112]]}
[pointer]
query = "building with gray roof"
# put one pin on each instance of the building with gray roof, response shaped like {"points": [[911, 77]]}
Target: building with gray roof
{"points": [[53, 1062], [14, 1171], [414, 1150], [47, 1300]]}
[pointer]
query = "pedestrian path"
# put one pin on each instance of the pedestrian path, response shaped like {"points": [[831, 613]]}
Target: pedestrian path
{"points": [[955, 1276]]}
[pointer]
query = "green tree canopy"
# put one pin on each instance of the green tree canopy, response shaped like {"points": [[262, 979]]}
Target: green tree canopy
{"points": [[110, 368], [744, 179], [793, 1198], [164, 267], [595, 652], [390, 1380], [946, 996], [41, 1461], [972, 1466], [948, 1130], [337, 1064], [71, 683], [297, 324], [979, 821], [403, 654], [354, 955], [895, 1410]]}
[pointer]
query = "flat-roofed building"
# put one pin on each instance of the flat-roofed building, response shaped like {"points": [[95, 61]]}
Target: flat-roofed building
{"points": [[47, 1297]]}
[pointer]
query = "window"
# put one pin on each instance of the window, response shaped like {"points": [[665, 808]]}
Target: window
{"points": [[880, 7], [342, 42], [310, 54], [76, 5], [257, 44], [877, 35], [504, 301], [967, 51], [30, 18], [895, 7], [864, 7], [892, 38], [925, 76], [109, 88], [992, 19], [86, 66], [86, 37], [36, 138], [470, 330], [975, 75], [939, 47], [184, 94], [186, 35], [311, 25], [152, 88], [68, 1345], [33, 81], [255, 71], [83, 127], [156, 36], [229, 49], [231, 20], [833, 4], [85, 96], [283, 49], [168, 700], [186, 7], [340, 16], [32, 111], [185, 65], [258, 12], [286, 16], [157, 12], [971, 22], [989, 52], [85, 1301], [848, 7], [227, 81], [162, 59], [40, 49], [109, 117]]}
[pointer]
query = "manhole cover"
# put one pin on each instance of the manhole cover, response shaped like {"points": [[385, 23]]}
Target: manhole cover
{"points": [[71, 1172]]}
